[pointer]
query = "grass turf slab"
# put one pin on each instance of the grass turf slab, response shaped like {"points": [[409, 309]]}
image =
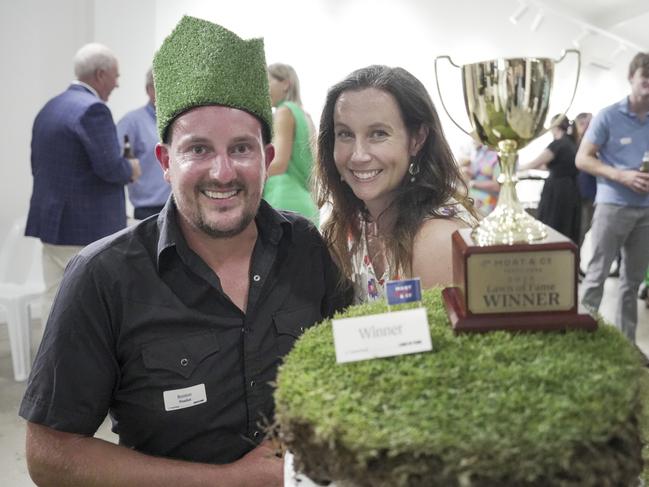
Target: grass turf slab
{"points": [[480, 409]]}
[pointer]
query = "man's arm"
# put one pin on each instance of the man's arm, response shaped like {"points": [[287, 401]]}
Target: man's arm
{"points": [[99, 137], [67, 459], [339, 289], [587, 161], [283, 137], [540, 162]]}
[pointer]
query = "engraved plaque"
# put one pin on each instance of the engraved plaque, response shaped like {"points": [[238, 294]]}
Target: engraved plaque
{"points": [[521, 281], [531, 286]]}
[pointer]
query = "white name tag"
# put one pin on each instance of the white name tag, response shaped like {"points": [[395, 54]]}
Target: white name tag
{"points": [[626, 140], [184, 398], [383, 335]]}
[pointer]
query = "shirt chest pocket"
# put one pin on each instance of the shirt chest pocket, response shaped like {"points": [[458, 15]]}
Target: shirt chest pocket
{"points": [[180, 357], [289, 325]]}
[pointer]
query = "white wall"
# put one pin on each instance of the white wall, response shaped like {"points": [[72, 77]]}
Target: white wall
{"points": [[323, 39], [128, 28], [38, 39], [326, 39]]}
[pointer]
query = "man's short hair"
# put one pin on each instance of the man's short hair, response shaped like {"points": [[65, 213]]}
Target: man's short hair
{"points": [[639, 61], [92, 57]]}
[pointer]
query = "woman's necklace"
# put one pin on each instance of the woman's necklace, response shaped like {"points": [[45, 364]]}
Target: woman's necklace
{"points": [[375, 249]]}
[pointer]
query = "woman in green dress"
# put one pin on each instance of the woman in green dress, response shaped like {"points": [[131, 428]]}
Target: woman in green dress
{"points": [[289, 183]]}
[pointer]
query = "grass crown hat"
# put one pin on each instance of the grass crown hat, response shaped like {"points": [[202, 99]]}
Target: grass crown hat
{"points": [[201, 63]]}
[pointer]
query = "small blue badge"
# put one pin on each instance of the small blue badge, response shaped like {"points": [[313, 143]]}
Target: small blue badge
{"points": [[403, 291]]}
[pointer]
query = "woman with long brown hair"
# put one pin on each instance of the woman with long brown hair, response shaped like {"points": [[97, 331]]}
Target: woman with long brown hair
{"points": [[395, 189]]}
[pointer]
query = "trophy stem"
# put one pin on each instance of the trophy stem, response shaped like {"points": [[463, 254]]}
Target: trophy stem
{"points": [[508, 223]]}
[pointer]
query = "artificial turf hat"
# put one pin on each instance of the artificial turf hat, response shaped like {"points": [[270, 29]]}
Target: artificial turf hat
{"points": [[202, 63]]}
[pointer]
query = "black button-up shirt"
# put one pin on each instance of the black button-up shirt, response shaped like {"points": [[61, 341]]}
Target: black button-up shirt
{"points": [[142, 329]]}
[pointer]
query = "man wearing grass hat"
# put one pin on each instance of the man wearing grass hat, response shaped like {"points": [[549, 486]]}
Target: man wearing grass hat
{"points": [[175, 327]]}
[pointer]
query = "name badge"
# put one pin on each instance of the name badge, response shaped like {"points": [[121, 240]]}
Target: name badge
{"points": [[382, 335], [403, 291], [184, 398], [626, 140]]}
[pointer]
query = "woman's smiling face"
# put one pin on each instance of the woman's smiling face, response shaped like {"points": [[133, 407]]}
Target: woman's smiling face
{"points": [[372, 148]]}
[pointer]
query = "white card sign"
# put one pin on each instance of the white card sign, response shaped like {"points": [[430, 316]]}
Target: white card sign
{"points": [[382, 335]]}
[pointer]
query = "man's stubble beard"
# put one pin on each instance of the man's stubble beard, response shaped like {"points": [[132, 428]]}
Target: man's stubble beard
{"points": [[203, 225]]}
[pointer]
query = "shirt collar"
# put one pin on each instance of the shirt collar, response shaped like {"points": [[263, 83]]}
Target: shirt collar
{"points": [[150, 109], [271, 224], [86, 86], [623, 107]]}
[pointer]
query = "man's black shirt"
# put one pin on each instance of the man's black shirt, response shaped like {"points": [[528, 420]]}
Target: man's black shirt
{"points": [[141, 328]]}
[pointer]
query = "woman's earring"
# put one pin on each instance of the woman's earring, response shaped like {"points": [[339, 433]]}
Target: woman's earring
{"points": [[413, 170]]}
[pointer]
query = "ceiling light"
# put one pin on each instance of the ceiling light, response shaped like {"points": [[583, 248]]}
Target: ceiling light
{"points": [[580, 38], [600, 63], [520, 11], [537, 21]]}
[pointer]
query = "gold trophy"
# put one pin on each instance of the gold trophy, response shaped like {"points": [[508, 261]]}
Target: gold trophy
{"points": [[511, 271]]}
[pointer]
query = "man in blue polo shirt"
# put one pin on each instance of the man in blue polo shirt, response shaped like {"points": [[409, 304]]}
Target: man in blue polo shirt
{"points": [[612, 150], [149, 193]]}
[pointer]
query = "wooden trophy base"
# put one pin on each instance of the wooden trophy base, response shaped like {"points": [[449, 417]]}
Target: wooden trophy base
{"points": [[461, 322], [520, 287]]}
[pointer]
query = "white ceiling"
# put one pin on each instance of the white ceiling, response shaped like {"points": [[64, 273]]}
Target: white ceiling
{"points": [[627, 20]]}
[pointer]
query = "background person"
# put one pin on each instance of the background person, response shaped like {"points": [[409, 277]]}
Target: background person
{"points": [[480, 169], [588, 189], [149, 193], [175, 326], [79, 173], [395, 188], [612, 150], [289, 184], [587, 182], [560, 203], [587, 185]]}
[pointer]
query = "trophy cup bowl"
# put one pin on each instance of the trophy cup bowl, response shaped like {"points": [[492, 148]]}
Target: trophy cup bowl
{"points": [[511, 271], [507, 102]]}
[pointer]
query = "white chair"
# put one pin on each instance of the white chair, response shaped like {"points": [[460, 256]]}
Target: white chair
{"points": [[21, 285]]}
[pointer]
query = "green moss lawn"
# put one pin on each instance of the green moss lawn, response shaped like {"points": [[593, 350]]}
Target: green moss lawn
{"points": [[481, 409]]}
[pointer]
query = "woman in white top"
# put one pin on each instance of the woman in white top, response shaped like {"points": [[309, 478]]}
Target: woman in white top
{"points": [[396, 192]]}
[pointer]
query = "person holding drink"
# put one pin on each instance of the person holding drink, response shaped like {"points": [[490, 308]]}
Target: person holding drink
{"points": [[612, 149]]}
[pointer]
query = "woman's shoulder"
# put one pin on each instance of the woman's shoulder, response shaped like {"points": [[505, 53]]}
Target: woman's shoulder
{"points": [[283, 120], [451, 212], [564, 141], [433, 238], [289, 110], [438, 229], [290, 107], [283, 110]]}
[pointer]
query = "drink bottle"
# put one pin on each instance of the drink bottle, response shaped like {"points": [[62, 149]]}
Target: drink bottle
{"points": [[645, 162], [128, 152]]}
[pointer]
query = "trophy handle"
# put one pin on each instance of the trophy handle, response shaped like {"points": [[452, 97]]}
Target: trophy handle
{"points": [[564, 53], [439, 92]]}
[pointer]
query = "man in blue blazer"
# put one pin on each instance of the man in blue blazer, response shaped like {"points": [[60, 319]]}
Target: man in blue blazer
{"points": [[79, 173]]}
